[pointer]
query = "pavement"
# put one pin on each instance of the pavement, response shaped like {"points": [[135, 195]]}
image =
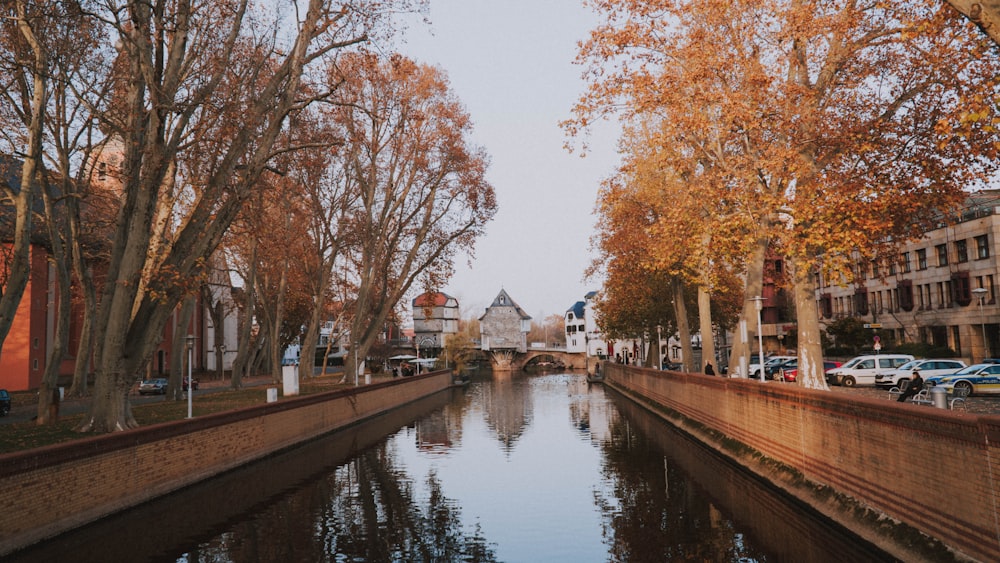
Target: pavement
{"points": [[26, 410], [981, 404]]}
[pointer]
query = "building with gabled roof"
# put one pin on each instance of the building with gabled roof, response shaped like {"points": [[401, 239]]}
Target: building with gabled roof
{"points": [[503, 330]]}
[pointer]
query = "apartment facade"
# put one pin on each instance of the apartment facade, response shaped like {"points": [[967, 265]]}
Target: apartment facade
{"points": [[939, 290]]}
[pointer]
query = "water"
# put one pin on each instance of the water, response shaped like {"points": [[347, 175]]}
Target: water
{"points": [[516, 468]]}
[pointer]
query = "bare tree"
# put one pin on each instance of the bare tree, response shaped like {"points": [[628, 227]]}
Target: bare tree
{"points": [[422, 190]]}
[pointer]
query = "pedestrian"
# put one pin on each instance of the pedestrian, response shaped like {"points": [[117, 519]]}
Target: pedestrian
{"points": [[709, 370], [916, 384]]}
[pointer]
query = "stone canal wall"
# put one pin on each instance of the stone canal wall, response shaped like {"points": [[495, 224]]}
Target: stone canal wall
{"points": [[50, 490], [922, 482]]}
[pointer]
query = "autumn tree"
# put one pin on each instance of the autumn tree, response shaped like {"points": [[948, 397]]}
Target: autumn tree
{"points": [[423, 196], [202, 99], [835, 120]]}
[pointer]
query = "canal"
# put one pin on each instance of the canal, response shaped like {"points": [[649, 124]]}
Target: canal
{"points": [[514, 468]]}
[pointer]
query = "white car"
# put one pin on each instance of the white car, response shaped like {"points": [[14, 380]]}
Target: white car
{"points": [[863, 369], [928, 368]]}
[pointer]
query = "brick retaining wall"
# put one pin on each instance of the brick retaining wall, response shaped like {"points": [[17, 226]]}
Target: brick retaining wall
{"points": [[50, 490], [932, 469]]}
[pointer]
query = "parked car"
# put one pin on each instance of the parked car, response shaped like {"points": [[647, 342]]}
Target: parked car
{"points": [[773, 367], [978, 379], [153, 387], [790, 371], [184, 385], [862, 370], [927, 367], [4, 402], [769, 362]]}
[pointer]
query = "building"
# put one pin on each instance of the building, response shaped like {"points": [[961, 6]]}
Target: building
{"points": [[29, 344], [940, 290], [504, 325], [575, 324], [435, 318]]}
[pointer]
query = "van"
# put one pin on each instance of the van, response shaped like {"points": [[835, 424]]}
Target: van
{"points": [[863, 369]]}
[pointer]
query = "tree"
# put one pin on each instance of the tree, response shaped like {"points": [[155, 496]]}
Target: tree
{"points": [[834, 121], [423, 196], [201, 98]]}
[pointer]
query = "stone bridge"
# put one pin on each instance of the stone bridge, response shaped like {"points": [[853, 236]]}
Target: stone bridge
{"points": [[511, 360]]}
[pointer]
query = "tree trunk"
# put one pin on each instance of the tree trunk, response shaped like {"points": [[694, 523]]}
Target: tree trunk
{"points": [[683, 328], [84, 351], [754, 285], [110, 404], [811, 373], [983, 13], [180, 357], [705, 327], [20, 267], [48, 395]]}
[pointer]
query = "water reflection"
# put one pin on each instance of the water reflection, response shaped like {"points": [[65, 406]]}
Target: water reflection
{"points": [[516, 468]]}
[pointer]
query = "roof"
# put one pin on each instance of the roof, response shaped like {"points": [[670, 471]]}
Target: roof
{"points": [[578, 309], [432, 299], [503, 300]]}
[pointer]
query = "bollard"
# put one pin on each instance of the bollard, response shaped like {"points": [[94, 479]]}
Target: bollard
{"points": [[939, 397]]}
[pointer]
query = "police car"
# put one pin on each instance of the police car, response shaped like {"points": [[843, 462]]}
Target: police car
{"points": [[977, 379]]}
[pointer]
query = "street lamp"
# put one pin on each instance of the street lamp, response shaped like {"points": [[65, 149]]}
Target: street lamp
{"points": [[190, 382], [980, 292], [759, 305], [659, 347], [221, 368]]}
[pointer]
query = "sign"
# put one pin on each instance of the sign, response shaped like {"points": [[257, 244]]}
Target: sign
{"points": [[873, 325]]}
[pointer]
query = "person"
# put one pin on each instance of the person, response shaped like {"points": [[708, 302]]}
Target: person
{"points": [[709, 370], [916, 384]]}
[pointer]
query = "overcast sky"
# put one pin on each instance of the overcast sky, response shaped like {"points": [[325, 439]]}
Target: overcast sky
{"points": [[511, 64]]}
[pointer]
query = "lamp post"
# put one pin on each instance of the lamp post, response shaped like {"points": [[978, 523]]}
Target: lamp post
{"points": [[190, 382], [759, 305], [659, 347], [222, 361], [980, 292]]}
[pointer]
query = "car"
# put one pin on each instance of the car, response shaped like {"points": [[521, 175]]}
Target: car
{"points": [[769, 362], [184, 385], [773, 368], [4, 402], [790, 371], [980, 379], [861, 370], [927, 367], [156, 386]]}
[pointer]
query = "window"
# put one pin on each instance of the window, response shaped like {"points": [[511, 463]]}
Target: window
{"points": [[892, 268], [961, 288], [875, 270], [826, 305], [962, 250], [905, 288], [982, 247], [861, 301], [922, 259], [942, 254], [904, 262]]}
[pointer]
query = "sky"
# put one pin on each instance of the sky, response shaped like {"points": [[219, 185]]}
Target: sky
{"points": [[510, 62]]}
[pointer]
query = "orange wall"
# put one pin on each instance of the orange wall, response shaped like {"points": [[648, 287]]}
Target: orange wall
{"points": [[936, 470], [24, 346]]}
